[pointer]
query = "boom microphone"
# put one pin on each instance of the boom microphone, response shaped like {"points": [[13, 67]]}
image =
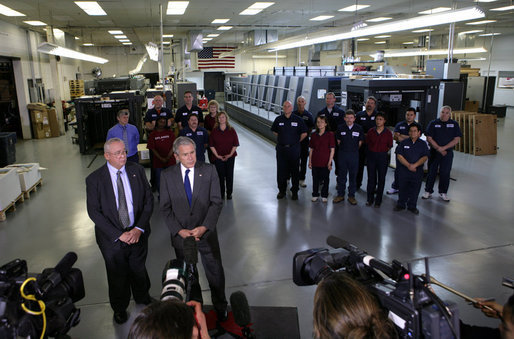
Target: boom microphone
{"points": [[62, 268], [241, 312]]}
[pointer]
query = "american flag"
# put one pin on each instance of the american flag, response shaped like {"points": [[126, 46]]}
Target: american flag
{"points": [[208, 58]]}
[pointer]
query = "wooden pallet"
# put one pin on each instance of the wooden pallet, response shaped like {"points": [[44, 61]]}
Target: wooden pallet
{"points": [[26, 193], [11, 207]]}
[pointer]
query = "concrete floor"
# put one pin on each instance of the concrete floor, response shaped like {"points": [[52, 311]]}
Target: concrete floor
{"points": [[469, 241]]}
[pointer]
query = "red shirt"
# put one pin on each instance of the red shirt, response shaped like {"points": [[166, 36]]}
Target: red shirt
{"points": [[321, 146], [208, 122], [379, 142], [223, 141], [162, 142]]}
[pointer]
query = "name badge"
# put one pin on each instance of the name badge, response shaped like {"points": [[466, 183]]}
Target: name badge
{"points": [[437, 126], [402, 127], [194, 112], [163, 114], [372, 118], [363, 118], [305, 118], [343, 133], [189, 134], [281, 124], [294, 124], [199, 133], [450, 125], [406, 147], [336, 114], [355, 134]]}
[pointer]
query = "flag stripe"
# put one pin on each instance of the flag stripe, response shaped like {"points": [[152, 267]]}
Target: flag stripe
{"points": [[209, 58]]}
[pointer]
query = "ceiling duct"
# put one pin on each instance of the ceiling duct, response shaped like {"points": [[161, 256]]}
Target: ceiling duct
{"points": [[260, 37], [195, 43]]}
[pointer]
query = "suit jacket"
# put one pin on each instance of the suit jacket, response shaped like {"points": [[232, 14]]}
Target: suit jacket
{"points": [[101, 202], [206, 202]]}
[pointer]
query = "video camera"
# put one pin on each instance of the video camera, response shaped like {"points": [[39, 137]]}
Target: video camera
{"points": [[39, 305], [413, 307]]}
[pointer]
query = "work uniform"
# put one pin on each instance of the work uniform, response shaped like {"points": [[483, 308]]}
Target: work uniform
{"points": [[201, 138], [378, 146], [304, 144], [321, 146], [348, 157], [410, 182], [442, 133], [402, 128], [288, 148], [335, 117], [153, 114], [182, 114], [366, 122]]}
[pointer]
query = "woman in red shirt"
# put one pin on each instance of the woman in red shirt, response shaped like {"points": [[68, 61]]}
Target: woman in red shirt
{"points": [[209, 122], [223, 142], [322, 147], [379, 140], [160, 143]]}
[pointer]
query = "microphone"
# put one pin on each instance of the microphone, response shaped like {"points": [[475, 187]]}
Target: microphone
{"points": [[190, 251], [364, 257], [62, 268], [241, 312]]}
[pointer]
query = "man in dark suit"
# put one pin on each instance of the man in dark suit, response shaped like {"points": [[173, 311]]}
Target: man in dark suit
{"points": [[120, 203], [191, 204]]}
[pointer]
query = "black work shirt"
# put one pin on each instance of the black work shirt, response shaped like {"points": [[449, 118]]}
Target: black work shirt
{"points": [[412, 152], [289, 129], [366, 121], [443, 132], [349, 137], [335, 117], [183, 113], [152, 114], [200, 137], [402, 127]]}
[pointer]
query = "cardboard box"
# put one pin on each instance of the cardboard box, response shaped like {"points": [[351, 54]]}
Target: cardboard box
{"points": [[471, 106], [10, 188], [36, 106], [28, 174], [144, 154], [54, 123]]}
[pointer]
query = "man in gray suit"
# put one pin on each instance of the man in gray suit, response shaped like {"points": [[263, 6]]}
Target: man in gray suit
{"points": [[191, 204]]}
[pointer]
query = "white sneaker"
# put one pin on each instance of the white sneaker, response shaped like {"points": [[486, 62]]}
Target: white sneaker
{"points": [[302, 183], [325, 200], [444, 197], [426, 195], [392, 191], [314, 199]]}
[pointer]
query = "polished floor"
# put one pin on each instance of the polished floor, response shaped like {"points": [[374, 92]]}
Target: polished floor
{"points": [[469, 241]]}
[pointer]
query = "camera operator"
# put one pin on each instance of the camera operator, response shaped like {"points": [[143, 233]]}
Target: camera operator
{"points": [[504, 313], [170, 319], [343, 308]]}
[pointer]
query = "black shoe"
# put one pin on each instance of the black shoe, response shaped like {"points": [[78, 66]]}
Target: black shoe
{"points": [[229, 196], [222, 315], [294, 196], [414, 210], [120, 317], [281, 195], [398, 208]]}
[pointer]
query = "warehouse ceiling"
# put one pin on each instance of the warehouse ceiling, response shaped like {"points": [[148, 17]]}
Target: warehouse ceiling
{"points": [[140, 19]]}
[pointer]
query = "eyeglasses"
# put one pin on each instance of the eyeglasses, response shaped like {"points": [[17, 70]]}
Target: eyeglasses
{"points": [[117, 154]]}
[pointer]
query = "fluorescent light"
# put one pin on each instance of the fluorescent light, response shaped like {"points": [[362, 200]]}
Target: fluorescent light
{"points": [[4, 10], [483, 22], [214, 35], [489, 34], [207, 39], [77, 38], [471, 32], [91, 7], [423, 30], [435, 10], [363, 39], [124, 40], [256, 8], [49, 48], [353, 8], [177, 7], [35, 23], [359, 25], [88, 44], [464, 14], [220, 21], [269, 56], [322, 17], [167, 35], [113, 32], [500, 9], [166, 42], [382, 36], [408, 43], [127, 43], [380, 42], [485, 0], [379, 19], [224, 28], [120, 36], [418, 52], [249, 11]]}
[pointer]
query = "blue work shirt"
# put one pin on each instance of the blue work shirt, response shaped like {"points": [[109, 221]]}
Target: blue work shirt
{"points": [[366, 121], [289, 129], [307, 118], [152, 114], [443, 132], [132, 135], [182, 114], [334, 117], [412, 152], [349, 137], [402, 127], [200, 137]]}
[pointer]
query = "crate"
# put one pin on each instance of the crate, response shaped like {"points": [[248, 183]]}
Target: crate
{"points": [[479, 132], [29, 175], [10, 190]]}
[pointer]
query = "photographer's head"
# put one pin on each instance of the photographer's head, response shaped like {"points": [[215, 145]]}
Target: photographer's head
{"points": [[343, 308], [170, 319]]}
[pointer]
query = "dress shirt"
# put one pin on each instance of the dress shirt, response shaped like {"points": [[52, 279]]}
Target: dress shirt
{"points": [[191, 175], [132, 134], [126, 186]]}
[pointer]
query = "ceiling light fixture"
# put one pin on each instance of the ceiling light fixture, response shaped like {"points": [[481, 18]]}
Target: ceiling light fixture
{"points": [[501, 9], [88, 44], [380, 42], [471, 32], [483, 22], [353, 8], [120, 36], [435, 10], [224, 28], [91, 7], [423, 30], [363, 39], [35, 23], [256, 8], [113, 32], [279, 56], [322, 18], [220, 21], [124, 40], [213, 35], [49, 48], [177, 7], [127, 43], [458, 15], [77, 38], [167, 36], [418, 52], [408, 43], [379, 19], [4, 10], [207, 39], [489, 34], [382, 36]]}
